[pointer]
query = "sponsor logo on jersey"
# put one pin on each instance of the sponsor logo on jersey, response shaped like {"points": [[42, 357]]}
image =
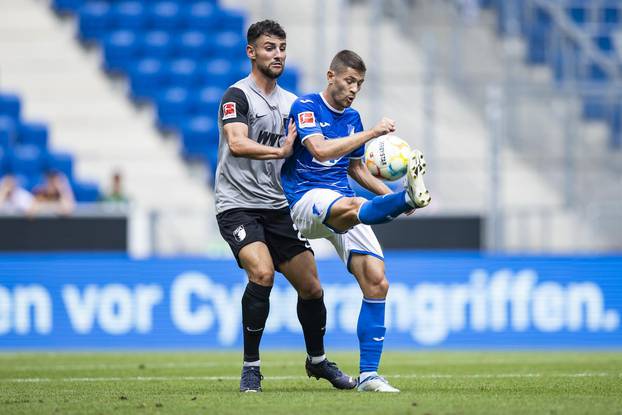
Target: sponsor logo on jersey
{"points": [[239, 233], [306, 119], [268, 139], [229, 111]]}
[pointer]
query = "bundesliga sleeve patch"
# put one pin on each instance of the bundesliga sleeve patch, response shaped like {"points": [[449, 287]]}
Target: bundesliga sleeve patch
{"points": [[229, 111], [306, 119]]}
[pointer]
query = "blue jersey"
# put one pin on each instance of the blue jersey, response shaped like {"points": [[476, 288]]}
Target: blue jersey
{"points": [[302, 172]]}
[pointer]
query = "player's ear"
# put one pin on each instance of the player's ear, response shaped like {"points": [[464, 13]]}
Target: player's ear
{"points": [[250, 52], [330, 76]]}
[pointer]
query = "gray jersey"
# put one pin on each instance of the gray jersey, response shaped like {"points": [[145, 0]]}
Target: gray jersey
{"points": [[242, 182]]}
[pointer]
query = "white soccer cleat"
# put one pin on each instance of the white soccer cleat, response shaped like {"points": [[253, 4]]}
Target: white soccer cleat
{"points": [[375, 383], [415, 187]]}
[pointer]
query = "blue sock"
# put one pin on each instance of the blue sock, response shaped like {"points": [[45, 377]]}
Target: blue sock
{"points": [[370, 331], [383, 209]]}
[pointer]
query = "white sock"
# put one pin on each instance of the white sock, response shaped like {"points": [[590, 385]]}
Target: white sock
{"points": [[408, 201], [317, 359], [365, 375], [255, 363]]}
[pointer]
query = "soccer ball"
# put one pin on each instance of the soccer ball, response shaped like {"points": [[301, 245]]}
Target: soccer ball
{"points": [[386, 157]]}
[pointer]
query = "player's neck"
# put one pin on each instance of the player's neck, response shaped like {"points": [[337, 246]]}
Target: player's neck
{"points": [[331, 102], [265, 84]]}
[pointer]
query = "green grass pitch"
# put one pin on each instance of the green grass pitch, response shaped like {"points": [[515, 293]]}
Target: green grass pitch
{"points": [[548, 383]]}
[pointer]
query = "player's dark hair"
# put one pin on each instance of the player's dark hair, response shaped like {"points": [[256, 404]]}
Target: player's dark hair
{"points": [[264, 27], [347, 59]]}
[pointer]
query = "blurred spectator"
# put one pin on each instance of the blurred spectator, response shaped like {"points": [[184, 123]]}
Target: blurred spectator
{"points": [[55, 194], [116, 194], [13, 197]]}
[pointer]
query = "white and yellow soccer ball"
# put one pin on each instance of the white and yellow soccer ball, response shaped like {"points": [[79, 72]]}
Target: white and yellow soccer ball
{"points": [[386, 157]]}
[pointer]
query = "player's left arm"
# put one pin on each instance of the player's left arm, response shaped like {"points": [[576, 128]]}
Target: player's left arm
{"points": [[362, 176]]}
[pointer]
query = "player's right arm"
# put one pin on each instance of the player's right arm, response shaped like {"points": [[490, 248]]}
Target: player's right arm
{"points": [[322, 149], [234, 115]]}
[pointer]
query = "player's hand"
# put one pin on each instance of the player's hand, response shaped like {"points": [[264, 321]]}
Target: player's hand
{"points": [[385, 126], [288, 145]]}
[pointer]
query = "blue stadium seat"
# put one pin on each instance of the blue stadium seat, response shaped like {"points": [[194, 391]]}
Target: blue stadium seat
{"points": [[120, 51], [289, 79], [66, 6], [94, 21], [192, 45], [35, 134], [230, 20], [10, 106], [605, 43], [85, 192], [174, 105], [220, 73], [610, 13], [8, 132], [594, 106], [201, 16], [208, 101], [199, 137], [156, 45], [62, 162], [147, 78], [165, 15], [129, 15], [538, 35], [229, 45], [183, 73], [26, 160], [578, 14]]}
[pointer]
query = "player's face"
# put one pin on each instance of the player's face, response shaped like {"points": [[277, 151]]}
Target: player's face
{"points": [[269, 54], [344, 85]]}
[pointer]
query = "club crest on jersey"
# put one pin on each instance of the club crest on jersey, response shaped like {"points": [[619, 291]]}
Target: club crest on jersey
{"points": [[306, 119], [229, 110], [239, 233]]}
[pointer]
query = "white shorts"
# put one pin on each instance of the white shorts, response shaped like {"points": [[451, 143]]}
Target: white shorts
{"points": [[309, 214]]}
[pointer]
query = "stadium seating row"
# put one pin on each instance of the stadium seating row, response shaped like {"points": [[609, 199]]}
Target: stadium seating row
{"points": [[24, 151], [597, 22], [179, 55]]}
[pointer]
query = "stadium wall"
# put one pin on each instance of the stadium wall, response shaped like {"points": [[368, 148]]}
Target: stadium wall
{"points": [[437, 300]]}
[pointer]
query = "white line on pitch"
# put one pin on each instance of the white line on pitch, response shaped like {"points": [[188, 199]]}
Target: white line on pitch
{"points": [[219, 378]]}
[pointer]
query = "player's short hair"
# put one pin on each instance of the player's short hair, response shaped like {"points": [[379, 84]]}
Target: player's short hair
{"points": [[347, 59], [264, 27]]}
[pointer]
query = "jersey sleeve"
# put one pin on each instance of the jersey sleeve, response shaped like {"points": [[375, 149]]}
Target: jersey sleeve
{"points": [[305, 117], [234, 106], [359, 153]]}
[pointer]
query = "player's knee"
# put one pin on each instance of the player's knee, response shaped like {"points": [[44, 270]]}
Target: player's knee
{"points": [[311, 290], [377, 286], [262, 276], [352, 206]]}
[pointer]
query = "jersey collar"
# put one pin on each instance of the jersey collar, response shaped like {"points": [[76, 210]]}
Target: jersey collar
{"points": [[329, 106]]}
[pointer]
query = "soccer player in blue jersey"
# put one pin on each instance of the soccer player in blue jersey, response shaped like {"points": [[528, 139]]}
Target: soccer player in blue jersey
{"points": [[330, 146]]}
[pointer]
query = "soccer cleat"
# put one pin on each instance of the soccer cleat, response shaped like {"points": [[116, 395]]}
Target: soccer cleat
{"points": [[251, 379], [375, 383], [329, 371], [415, 187]]}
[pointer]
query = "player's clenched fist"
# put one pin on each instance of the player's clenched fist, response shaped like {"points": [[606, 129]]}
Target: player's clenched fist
{"points": [[385, 126]]}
